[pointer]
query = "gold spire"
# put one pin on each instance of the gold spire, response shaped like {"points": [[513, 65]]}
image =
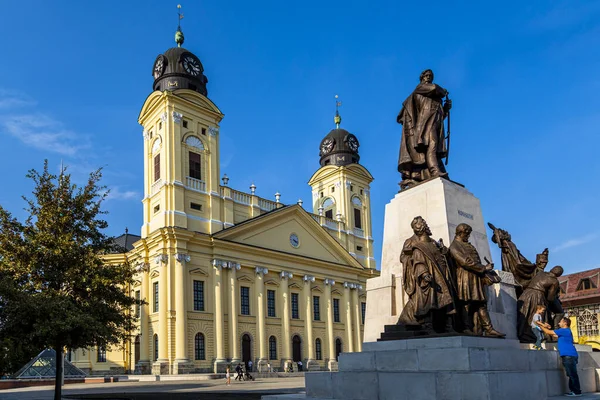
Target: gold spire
{"points": [[179, 34], [337, 119]]}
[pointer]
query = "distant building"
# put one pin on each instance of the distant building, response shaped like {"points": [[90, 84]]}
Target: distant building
{"points": [[580, 296], [229, 276]]}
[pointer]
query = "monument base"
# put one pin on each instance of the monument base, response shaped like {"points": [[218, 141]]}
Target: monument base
{"points": [[444, 205], [451, 368]]}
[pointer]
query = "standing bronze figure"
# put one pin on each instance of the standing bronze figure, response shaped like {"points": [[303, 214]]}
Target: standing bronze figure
{"points": [[422, 145], [542, 290], [427, 281], [470, 284]]}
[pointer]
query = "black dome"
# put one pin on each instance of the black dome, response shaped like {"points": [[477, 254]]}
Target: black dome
{"points": [[178, 68], [339, 147]]}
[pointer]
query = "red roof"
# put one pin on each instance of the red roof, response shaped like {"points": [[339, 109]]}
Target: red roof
{"points": [[570, 283]]}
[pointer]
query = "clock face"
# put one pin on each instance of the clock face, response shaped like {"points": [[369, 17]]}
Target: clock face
{"points": [[352, 143], [191, 65], [159, 67], [294, 241], [327, 145]]}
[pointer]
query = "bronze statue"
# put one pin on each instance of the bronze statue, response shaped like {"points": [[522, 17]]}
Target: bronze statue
{"points": [[470, 284], [542, 290], [422, 145], [427, 281], [514, 262]]}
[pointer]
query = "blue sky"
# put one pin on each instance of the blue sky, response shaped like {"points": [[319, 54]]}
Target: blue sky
{"points": [[523, 77]]}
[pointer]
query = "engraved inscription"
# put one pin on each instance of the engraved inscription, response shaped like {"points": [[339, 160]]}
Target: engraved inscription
{"points": [[464, 214]]}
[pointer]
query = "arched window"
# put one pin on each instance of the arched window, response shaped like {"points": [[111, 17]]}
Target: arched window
{"points": [[156, 157], [155, 347], [356, 201], [199, 349], [156, 145], [328, 207], [318, 352], [272, 348], [193, 141]]}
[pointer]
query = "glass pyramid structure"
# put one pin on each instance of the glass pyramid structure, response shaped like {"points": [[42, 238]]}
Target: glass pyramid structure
{"points": [[44, 366]]}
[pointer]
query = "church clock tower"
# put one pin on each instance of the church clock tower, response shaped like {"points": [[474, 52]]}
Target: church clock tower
{"points": [[341, 192], [181, 146]]}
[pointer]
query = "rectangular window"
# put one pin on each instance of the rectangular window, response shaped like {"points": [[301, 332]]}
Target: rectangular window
{"points": [[204, 131], [363, 311], [194, 165], [357, 219], [358, 248], [155, 296], [156, 208], [156, 167], [245, 297], [198, 296], [295, 313], [101, 354], [336, 310], [316, 308], [271, 303], [185, 123], [138, 298], [318, 352], [332, 189], [195, 206], [329, 214]]}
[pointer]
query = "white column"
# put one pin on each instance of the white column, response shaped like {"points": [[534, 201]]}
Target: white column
{"points": [[144, 326], [260, 313], [357, 318], [219, 348], [332, 364], [181, 354], [285, 320], [348, 321], [234, 340], [308, 319], [163, 330]]}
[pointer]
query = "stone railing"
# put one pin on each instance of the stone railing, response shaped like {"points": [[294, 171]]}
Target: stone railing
{"points": [[328, 222], [267, 205], [155, 187], [359, 232], [240, 197], [195, 184]]}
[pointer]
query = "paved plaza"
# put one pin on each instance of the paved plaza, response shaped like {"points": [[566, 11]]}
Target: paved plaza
{"points": [[176, 390]]}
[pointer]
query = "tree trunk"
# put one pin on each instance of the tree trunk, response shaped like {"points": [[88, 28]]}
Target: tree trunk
{"points": [[59, 373]]}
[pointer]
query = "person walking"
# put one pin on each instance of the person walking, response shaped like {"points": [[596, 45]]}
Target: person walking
{"points": [[238, 370], [228, 377], [568, 354]]}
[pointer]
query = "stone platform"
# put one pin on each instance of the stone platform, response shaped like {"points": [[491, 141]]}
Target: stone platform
{"points": [[452, 368]]}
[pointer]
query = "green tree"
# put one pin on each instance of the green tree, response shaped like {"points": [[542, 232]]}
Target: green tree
{"points": [[57, 291]]}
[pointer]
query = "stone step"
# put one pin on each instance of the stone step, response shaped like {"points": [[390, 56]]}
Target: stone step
{"points": [[441, 342]]}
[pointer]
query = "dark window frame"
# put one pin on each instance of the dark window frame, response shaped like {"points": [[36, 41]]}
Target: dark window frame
{"points": [[156, 299], [271, 311], [244, 300], [156, 167], [195, 166], [155, 346], [138, 307], [198, 295], [318, 350], [363, 311], [316, 308], [336, 310], [357, 218], [199, 347], [101, 353], [294, 305]]}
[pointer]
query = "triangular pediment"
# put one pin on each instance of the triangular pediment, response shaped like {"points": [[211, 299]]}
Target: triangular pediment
{"points": [[154, 274], [317, 289], [198, 271], [290, 230], [355, 170], [294, 286], [271, 282], [244, 278], [335, 291]]}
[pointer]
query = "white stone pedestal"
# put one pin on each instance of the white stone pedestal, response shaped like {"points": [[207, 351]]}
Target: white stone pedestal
{"points": [[450, 368], [444, 205]]}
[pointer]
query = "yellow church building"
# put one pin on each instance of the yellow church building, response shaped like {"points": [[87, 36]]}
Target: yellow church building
{"points": [[228, 276]]}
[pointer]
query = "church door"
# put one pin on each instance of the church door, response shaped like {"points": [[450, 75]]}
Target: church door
{"points": [[338, 348], [136, 350], [296, 348], [246, 349]]}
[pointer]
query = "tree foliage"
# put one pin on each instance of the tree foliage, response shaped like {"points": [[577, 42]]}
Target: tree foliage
{"points": [[56, 289]]}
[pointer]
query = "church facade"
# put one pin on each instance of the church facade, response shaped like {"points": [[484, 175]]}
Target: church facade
{"points": [[228, 276]]}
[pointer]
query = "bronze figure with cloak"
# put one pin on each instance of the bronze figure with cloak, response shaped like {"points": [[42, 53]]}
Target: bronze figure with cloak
{"points": [[422, 145]]}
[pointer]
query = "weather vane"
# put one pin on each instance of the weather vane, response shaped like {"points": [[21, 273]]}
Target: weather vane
{"points": [[179, 34], [337, 119]]}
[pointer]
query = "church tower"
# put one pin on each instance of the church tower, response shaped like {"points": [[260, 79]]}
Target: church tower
{"points": [[181, 146], [341, 192]]}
